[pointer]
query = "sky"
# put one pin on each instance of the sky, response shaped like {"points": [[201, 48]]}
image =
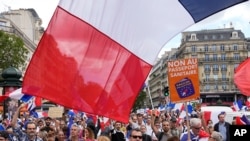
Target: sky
{"points": [[238, 15]]}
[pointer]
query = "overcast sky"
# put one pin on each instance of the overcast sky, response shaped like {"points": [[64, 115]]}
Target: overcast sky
{"points": [[239, 15]]}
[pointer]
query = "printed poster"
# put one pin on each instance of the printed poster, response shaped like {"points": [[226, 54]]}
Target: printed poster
{"points": [[183, 79]]}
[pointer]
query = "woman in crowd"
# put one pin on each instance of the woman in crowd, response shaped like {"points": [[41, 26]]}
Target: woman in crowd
{"points": [[89, 134]]}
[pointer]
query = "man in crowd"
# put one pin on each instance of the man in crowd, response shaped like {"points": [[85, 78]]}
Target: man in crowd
{"points": [[195, 125], [136, 135], [223, 127], [145, 136], [173, 127], [116, 133], [30, 128], [162, 136]]}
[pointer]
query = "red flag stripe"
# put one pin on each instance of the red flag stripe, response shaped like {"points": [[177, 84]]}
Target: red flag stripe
{"points": [[241, 73], [106, 96]]}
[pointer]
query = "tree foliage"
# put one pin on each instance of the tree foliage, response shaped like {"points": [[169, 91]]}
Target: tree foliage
{"points": [[12, 51], [140, 100]]}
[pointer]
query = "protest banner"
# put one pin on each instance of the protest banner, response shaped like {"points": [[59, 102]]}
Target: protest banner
{"points": [[183, 80]]}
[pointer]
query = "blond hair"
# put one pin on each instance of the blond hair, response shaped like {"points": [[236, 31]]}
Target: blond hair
{"points": [[103, 138], [217, 136]]}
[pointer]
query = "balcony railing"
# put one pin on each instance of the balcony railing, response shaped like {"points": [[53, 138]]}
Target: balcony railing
{"points": [[216, 80], [241, 58]]}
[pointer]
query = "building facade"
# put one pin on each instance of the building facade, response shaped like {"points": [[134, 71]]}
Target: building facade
{"points": [[26, 24], [158, 78], [219, 52]]}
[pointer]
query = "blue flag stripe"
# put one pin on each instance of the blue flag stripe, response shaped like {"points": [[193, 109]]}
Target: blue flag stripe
{"points": [[26, 98], [201, 9]]}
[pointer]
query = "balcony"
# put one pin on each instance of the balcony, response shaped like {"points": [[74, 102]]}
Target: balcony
{"points": [[224, 59], [212, 80]]}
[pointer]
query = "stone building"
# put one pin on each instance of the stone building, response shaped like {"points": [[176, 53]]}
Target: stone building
{"points": [[219, 52]]}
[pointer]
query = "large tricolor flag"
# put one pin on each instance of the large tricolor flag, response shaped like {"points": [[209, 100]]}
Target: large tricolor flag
{"points": [[96, 55], [241, 77]]}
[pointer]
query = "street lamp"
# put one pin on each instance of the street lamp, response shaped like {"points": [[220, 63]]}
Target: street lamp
{"points": [[10, 82]]}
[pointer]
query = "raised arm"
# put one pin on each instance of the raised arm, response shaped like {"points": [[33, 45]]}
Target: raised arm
{"points": [[15, 116], [154, 128]]}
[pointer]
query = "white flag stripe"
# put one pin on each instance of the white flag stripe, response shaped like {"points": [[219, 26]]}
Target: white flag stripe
{"points": [[149, 36]]}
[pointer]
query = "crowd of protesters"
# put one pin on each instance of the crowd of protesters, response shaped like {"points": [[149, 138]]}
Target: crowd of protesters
{"points": [[141, 127]]}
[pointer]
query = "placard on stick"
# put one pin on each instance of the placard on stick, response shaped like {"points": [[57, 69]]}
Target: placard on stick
{"points": [[55, 112], [183, 80]]}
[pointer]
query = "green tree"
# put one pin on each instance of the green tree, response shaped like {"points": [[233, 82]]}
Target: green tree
{"points": [[139, 103], [12, 51]]}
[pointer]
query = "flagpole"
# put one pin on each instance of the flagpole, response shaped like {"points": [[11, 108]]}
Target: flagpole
{"points": [[150, 97], [188, 127]]}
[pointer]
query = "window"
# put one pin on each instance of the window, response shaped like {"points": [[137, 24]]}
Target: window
{"points": [[206, 48], [221, 36], [224, 86], [235, 47], [224, 77], [223, 67], [215, 86], [215, 67], [207, 87], [193, 48], [207, 77], [214, 37], [223, 56], [215, 57], [213, 47], [236, 56], [222, 47], [207, 67], [193, 37], [206, 57], [205, 37], [235, 34], [215, 77]]}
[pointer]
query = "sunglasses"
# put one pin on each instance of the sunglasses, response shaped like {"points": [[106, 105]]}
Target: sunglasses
{"points": [[197, 128], [135, 137]]}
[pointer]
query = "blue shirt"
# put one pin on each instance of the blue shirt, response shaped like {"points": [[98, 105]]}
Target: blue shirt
{"points": [[193, 137], [223, 131], [23, 136]]}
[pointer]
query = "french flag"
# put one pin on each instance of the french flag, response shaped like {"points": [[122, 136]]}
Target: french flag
{"points": [[31, 101], [242, 120], [18, 95], [101, 52], [237, 105], [183, 111], [40, 114]]}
